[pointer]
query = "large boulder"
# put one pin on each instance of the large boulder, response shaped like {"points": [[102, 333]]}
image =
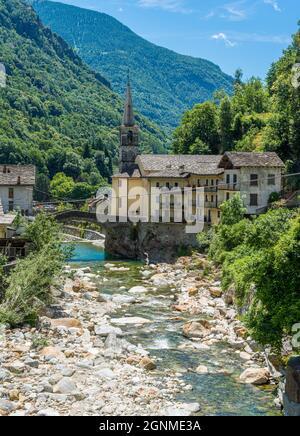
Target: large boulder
{"points": [[255, 376], [196, 329]]}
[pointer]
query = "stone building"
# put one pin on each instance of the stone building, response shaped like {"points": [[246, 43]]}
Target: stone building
{"points": [[16, 188], [254, 175]]}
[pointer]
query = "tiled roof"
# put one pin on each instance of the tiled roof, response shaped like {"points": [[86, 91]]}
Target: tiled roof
{"points": [[11, 175], [241, 159], [177, 165]]}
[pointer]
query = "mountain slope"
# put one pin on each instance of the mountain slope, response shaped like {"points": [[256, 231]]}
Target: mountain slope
{"points": [[165, 83], [55, 111]]}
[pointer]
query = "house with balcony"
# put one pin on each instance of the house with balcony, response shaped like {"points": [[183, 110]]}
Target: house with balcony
{"points": [[254, 175]]}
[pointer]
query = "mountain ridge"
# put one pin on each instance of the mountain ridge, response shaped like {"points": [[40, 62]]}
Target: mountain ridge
{"points": [[166, 83], [56, 112]]}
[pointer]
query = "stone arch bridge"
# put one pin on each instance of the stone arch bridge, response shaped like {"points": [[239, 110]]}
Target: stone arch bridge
{"points": [[158, 242]]}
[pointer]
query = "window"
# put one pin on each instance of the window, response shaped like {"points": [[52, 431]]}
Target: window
{"points": [[168, 185], [271, 179], [253, 180], [217, 182], [206, 198], [176, 185], [212, 182], [212, 198], [10, 193], [227, 196], [228, 179], [234, 179], [199, 183], [253, 200], [157, 184], [206, 182], [10, 205]]}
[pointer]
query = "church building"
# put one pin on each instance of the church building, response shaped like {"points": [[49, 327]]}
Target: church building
{"points": [[254, 175]]}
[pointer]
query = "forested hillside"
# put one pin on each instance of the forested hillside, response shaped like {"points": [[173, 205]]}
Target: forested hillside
{"points": [[55, 111], [165, 83], [257, 117]]}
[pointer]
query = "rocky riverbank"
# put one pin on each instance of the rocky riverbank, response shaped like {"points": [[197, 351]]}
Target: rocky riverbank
{"points": [[80, 360]]}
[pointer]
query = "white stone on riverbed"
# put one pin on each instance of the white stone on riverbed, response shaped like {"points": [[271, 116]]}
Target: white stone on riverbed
{"points": [[130, 320], [138, 290], [106, 329], [186, 409], [123, 299]]}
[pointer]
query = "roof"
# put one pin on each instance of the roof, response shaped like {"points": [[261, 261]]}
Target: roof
{"points": [[179, 165], [13, 175], [243, 159]]}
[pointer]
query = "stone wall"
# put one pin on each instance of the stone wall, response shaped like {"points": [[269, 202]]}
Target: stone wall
{"points": [[158, 242]]}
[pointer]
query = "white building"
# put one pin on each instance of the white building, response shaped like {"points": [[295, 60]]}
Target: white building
{"points": [[16, 188]]}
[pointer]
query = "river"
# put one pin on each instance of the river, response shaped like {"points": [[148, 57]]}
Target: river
{"points": [[218, 392]]}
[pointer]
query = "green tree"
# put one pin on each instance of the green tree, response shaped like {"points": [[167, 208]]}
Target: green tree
{"points": [[62, 186]]}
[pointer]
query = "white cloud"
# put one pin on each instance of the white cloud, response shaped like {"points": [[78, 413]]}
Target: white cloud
{"points": [[223, 37], [166, 5], [234, 11], [274, 4]]}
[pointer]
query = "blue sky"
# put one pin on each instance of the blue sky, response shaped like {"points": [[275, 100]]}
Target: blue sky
{"points": [[249, 34]]}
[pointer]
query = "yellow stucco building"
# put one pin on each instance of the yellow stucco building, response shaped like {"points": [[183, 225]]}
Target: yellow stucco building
{"points": [[254, 175]]}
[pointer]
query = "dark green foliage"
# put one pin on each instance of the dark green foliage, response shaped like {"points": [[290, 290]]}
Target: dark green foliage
{"points": [[165, 83], [55, 112], [255, 118], [261, 258], [28, 287]]}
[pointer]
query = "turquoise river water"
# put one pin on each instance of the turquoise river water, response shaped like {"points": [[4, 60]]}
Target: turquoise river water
{"points": [[219, 393]]}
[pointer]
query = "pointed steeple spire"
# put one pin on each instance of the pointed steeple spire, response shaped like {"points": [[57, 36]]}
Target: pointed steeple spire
{"points": [[128, 119]]}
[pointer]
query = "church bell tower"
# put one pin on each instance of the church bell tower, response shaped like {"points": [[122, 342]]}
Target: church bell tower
{"points": [[129, 136]]}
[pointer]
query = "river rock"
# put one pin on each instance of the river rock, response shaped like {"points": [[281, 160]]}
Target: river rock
{"points": [[106, 329], [138, 290], [196, 329], [255, 376], [182, 410], [160, 280], [4, 375], [65, 386], [48, 412], [201, 369], [6, 406], [52, 352], [215, 292], [147, 363], [106, 373], [123, 299], [66, 322], [135, 320]]}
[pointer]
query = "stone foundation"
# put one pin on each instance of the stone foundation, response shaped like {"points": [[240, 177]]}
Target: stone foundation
{"points": [[158, 242], [291, 398]]}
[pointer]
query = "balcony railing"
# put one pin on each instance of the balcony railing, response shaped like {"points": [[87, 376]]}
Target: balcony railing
{"points": [[229, 187]]}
